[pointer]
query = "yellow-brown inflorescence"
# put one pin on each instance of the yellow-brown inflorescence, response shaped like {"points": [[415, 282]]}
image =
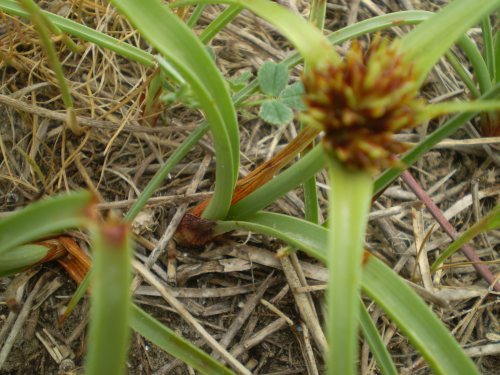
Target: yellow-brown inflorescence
{"points": [[361, 102]]}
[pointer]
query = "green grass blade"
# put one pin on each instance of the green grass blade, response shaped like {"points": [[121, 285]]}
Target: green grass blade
{"points": [[463, 74], [415, 320], [348, 205], [174, 40], [20, 257], [85, 33], [447, 129], [163, 172], [478, 63], [489, 222], [78, 295], [449, 23], [219, 23], [44, 218], [172, 343], [292, 177], [109, 332], [311, 206], [496, 44], [376, 343], [488, 48], [318, 13], [195, 15], [309, 237]]}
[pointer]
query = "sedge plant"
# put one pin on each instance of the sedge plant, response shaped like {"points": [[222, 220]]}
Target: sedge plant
{"points": [[358, 113]]}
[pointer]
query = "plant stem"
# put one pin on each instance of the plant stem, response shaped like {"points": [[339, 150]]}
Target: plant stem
{"points": [[349, 202]]}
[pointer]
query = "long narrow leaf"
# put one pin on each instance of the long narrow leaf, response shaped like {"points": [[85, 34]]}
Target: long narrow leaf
{"points": [[43, 218], [43, 26], [376, 343], [488, 49], [77, 295], [174, 40], [401, 303], [218, 24], [415, 320], [496, 46], [292, 177], [309, 237]]}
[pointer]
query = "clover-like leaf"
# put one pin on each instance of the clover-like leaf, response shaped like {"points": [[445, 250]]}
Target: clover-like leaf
{"points": [[272, 78], [292, 96], [275, 112]]}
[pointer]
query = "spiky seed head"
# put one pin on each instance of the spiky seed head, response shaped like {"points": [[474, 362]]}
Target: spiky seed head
{"points": [[361, 102]]}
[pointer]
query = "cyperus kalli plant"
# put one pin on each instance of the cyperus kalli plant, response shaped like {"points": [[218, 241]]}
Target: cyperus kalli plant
{"points": [[359, 102]]}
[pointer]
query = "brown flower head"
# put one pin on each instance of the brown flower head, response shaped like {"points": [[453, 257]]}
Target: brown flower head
{"points": [[361, 102]]}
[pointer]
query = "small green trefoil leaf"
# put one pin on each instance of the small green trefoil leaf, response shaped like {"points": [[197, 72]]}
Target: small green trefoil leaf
{"points": [[275, 112], [292, 96], [272, 78]]}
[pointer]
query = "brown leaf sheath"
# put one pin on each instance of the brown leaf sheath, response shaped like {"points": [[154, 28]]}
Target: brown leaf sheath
{"points": [[194, 231]]}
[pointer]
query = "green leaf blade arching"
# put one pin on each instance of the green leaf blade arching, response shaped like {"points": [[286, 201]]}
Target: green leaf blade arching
{"points": [[174, 40], [272, 78], [417, 321], [309, 237], [275, 113], [44, 218]]}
